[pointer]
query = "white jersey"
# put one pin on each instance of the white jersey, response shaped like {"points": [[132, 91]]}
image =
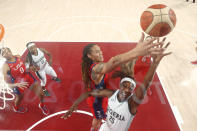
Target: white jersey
{"points": [[119, 117], [39, 59]]}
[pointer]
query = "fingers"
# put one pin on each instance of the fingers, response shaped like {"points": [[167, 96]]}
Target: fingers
{"points": [[22, 85], [142, 38], [167, 45], [150, 41], [154, 45], [66, 115], [164, 39], [165, 54], [162, 42]]}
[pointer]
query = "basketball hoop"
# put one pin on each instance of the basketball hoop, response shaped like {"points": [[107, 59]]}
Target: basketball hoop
{"points": [[5, 92]]}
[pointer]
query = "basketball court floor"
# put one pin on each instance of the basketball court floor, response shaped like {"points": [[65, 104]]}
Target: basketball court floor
{"points": [[56, 24]]}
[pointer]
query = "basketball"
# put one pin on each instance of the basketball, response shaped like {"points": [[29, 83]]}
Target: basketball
{"points": [[158, 20]]}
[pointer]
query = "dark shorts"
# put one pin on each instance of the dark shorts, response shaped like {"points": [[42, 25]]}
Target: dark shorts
{"points": [[98, 107]]}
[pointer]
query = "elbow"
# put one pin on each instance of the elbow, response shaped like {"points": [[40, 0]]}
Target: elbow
{"points": [[112, 64], [116, 60]]}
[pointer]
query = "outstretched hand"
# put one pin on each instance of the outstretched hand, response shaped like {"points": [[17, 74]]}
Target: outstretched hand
{"points": [[69, 112], [21, 85], [148, 47], [157, 57]]}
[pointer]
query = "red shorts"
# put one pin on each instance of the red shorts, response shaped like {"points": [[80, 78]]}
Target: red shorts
{"points": [[98, 107], [28, 77]]}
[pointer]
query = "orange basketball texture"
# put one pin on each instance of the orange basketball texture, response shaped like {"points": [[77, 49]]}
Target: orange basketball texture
{"points": [[1, 32], [158, 20]]}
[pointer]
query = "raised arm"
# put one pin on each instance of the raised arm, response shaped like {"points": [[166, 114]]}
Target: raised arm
{"points": [[143, 48], [141, 91], [95, 93]]}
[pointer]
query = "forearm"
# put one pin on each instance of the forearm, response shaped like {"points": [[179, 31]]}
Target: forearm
{"points": [[141, 91], [150, 74], [81, 98], [116, 61]]}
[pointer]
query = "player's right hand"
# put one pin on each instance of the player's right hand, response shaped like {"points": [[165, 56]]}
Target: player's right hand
{"points": [[69, 112], [22, 85]]}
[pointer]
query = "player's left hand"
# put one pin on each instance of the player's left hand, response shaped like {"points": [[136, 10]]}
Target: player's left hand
{"points": [[157, 58]]}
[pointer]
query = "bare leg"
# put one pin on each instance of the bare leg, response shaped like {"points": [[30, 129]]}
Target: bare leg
{"points": [[39, 92], [17, 108], [18, 100], [37, 89]]}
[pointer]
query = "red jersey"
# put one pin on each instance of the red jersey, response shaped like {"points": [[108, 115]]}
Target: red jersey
{"points": [[17, 68], [19, 74], [104, 82], [98, 105]]}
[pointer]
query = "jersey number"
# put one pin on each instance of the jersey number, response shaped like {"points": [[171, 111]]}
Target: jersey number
{"points": [[42, 61], [21, 69], [111, 119]]}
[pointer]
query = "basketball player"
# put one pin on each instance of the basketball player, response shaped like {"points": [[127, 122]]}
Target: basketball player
{"points": [[122, 103], [15, 69], [37, 62], [94, 72], [195, 62]]}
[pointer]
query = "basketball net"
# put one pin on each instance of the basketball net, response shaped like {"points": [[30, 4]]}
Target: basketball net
{"points": [[6, 94]]}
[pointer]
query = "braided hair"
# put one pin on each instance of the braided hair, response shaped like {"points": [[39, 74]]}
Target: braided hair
{"points": [[29, 55], [85, 65]]}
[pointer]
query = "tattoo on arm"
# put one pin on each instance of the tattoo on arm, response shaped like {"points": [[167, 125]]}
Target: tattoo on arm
{"points": [[93, 75], [116, 60], [97, 70]]}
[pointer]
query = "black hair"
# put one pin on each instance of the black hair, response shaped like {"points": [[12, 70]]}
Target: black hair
{"points": [[29, 55], [85, 65]]}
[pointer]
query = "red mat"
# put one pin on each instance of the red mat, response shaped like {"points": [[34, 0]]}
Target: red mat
{"points": [[154, 115]]}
